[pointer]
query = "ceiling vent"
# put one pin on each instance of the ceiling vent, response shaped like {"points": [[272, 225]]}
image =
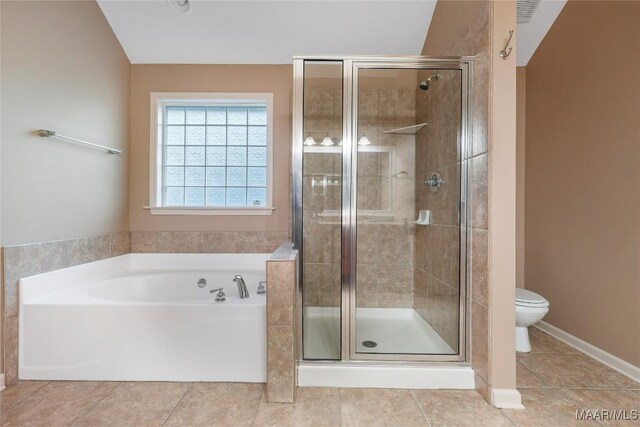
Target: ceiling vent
{"points": [[526, 9]]}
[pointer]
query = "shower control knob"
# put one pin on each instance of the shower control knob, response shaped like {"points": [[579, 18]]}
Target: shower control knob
{"points": [[434, 181], [261, 289], [220, 296]]}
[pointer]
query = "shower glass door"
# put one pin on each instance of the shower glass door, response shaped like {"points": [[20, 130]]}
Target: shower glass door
{"points": [[379, 194], [322, 208], [407, 287]]}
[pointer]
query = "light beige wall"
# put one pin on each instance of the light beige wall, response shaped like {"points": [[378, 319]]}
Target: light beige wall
{"points": [[145, 79], [583, 174], [502, 200], [62, 69], [521, 97]]}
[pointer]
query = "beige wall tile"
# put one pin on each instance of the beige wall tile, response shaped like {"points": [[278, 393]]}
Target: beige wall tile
{"points": [[480, 108], [478, 190], [144, 241], [179, 242], [479, 266], [27, 260], [480, 340], [10, 349], [120, 243], [280, 364], [82, 251], [281, 282]]}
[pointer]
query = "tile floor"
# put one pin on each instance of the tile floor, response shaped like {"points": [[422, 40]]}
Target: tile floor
{"points": [[554, 380]]}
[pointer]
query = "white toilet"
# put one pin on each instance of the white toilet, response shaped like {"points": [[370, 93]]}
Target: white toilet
{"points": [[530, 309]]}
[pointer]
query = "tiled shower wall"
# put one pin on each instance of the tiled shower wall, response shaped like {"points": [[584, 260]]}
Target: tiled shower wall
{"points": [[475, 40], [37, 258], [385, 243], [437, 246]]}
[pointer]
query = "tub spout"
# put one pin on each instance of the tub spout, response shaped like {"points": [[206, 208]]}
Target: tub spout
{"points": [[243, 292]]}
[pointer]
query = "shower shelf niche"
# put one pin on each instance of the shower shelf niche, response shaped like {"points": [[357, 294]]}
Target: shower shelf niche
{"points": [[407, 130]]}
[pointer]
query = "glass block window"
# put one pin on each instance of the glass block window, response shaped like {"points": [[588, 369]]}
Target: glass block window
{"points": [[213, 155]]}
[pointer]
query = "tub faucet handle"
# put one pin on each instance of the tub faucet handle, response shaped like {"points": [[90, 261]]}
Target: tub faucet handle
{"points": [[261, 288], [220, 297], [202, 283]]}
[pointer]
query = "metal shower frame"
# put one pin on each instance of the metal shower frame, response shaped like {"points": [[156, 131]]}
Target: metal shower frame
{"points": [[351, 66]]}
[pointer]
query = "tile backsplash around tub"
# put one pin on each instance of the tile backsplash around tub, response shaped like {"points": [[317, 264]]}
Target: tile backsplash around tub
{"points": [[207, 241], [37, 258]]}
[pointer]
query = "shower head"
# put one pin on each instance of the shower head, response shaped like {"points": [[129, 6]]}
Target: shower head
{"points": [[424, 85]]}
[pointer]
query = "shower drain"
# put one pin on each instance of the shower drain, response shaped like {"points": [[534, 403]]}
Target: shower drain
{"points": [[369, 344]]}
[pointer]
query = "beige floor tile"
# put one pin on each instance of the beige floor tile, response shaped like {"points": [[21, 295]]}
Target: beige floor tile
{"points": [[314, 406], [218, 404], [379, 407], [573, 371], [459, 408], [541, 342], [136, 404], [17, 393], [546, 407], [527, 379], [56, 404], [611, 400]]}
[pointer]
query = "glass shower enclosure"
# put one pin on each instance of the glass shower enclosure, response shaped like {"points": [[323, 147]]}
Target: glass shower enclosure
{"points": [[380, 158]]}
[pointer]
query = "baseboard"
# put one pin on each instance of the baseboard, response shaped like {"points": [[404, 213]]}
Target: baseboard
{"points": [[614, 362], [1, 382], [506, 398]]}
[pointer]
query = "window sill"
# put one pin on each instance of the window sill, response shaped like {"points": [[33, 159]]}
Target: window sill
{"points": [[161, 210]]}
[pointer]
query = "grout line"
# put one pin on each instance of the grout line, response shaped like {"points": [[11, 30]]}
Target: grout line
{"points": [[339, 406], [536, 375], [506, 414], [97, 403], [255, 413], [174, 408], [415, 399], [44, 383]]}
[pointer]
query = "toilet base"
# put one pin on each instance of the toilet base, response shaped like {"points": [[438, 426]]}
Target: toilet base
{"points": [[523, 344]]}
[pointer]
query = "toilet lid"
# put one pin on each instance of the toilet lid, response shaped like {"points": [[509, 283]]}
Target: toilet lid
{"points": [[525, 297]]}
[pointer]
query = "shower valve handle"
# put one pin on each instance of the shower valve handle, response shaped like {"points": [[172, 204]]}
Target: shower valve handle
{"points": [[220, 296]]}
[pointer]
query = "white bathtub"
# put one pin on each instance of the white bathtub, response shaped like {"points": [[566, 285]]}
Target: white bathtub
{"points": [[142, 317]]}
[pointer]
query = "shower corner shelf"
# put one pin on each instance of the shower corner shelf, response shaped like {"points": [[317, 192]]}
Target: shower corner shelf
{"points": [[407, 130]]}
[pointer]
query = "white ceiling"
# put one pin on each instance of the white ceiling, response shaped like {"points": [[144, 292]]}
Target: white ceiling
{"points": [[273, 31], [530, 35], [266, 32]]}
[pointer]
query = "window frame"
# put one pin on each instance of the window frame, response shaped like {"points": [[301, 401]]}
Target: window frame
{"points": [[158, 102]]}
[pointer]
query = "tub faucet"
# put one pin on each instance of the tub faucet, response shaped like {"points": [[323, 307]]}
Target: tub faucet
{"points": [[243, 292]]}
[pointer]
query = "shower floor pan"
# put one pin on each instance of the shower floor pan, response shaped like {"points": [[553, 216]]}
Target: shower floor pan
{"points": [[394, 331], [378, 331]]}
